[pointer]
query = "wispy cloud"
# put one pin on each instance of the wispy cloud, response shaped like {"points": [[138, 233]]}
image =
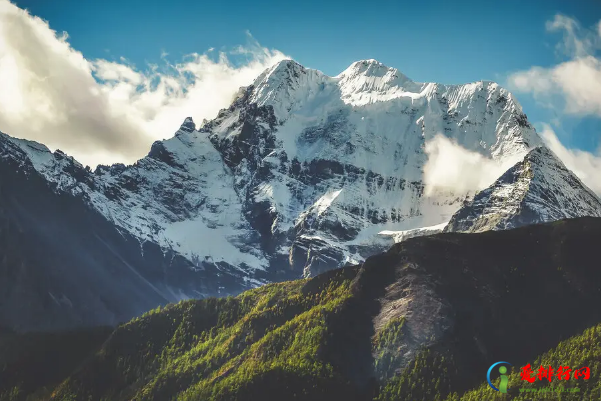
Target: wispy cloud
{"points": [[586, 165], [450, 167], [104, 111], [573, 85]]}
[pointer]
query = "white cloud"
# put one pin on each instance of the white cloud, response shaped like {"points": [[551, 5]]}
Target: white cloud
{"points": [[573, 85], [103, 111], [586, 165], [452, 167], [577, 42], [110, 71]]}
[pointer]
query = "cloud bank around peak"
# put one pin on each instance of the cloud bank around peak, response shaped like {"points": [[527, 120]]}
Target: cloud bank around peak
{"points": [[452, 168], [104, 111]]}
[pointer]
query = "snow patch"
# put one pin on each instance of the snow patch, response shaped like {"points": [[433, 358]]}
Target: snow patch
{"points": [[399, 236]]}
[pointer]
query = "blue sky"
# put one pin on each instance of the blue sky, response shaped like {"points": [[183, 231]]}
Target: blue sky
{"points": [[437, 40], [440, 41], [443, 41]]}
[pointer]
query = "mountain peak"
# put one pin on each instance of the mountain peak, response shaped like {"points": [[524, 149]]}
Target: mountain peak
{"points": [[286, 64], [364, 65], [537, 189], [368, 63], [280, 72], [365, 81], [188, 125], [285, 84], [542, 153], [372, 68]]}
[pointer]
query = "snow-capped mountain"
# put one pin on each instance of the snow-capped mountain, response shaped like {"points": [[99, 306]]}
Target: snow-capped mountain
{"points": [[537, 189], [326, 163], [299, 175], [64, 264]]}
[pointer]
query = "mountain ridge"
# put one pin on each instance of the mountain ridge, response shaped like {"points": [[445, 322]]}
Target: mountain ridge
{"points": [[298, 176]]}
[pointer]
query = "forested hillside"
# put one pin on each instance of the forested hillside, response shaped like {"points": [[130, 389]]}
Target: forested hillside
{"points": [[423, 321]]}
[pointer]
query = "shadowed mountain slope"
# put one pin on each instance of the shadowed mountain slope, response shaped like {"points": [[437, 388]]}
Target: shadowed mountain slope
{"points": [[423, 320]]}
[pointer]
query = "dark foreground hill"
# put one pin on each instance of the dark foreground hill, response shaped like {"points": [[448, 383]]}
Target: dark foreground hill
{"points": [[420, 322], [64, 266], [577, 352]]}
